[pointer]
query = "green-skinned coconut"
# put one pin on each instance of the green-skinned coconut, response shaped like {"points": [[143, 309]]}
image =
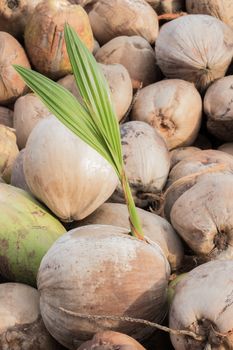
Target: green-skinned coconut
{"points": [[27, 231]]}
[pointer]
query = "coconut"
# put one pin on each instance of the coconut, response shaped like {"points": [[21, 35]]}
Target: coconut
{"points": [[218, 108], [21, 325], [6, 117], [146, 160], [173, 285], [44, 35], [8, 151], [81, 2], [196, 48], [72, 180], [155, 228], [92, 262], [17, 175], [181, 153], [28, 111], [11, 84], [167, 6], [222, 9], [27, 231], [110, 19], [227, 147], [119, 83], [135, 54], [14, 14], [109, 340], [203, 305], [173, 107]]}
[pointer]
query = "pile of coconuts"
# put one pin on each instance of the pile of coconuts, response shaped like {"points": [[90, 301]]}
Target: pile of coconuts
{"points": [[71, 275]]}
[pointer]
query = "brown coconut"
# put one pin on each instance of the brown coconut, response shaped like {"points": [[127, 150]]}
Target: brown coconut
{"points": [[110, 19], [11, 84], [21, 325], [219, 110], [14, 15], [227, 147], [181, 153], [222, 9], [72, 180], [147, 163], [6, 116], [44, 36], [119, 83], [196, 48], [28, 111], [89, 264], [109, 340], [203, 305], [135, 54], [155, 228], [8, 152], [173, 107], [17, 175], [167, 6]]}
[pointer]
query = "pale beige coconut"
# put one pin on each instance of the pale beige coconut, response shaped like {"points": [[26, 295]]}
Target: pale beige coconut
{"points": [[65, 173], [44, 35], [196, 48], [203, 216], [28, 111], [8, 152], [222, 9], [91, 263], [178, 154], [21, 325], [155, 228], [109, 340], [147, 163], [17, 175], [173, 107], [119, 83], [167, 6], [110, 19], [203, 305], [136, 54], [14, 15], [11, 84], [227, 147], [218, 108], [6, 116]]}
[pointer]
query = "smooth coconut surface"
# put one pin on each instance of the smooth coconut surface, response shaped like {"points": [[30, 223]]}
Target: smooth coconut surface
{"points": [[181, 153], [203, 304], [8, 151], [17, 175], [100, 270]]}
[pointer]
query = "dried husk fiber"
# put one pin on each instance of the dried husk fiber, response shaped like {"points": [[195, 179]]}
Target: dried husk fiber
{"points": [[88, 264], [196, 48], [8, 151]]}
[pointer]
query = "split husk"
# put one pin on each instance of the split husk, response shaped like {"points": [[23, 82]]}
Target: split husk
{"points": [[196, 48], [8, 151], [89, 263], [6, 117], [17, 175], [173, 107]]}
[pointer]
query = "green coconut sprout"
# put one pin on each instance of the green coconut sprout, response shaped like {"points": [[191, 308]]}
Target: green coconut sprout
{"points": [[94, 120]]}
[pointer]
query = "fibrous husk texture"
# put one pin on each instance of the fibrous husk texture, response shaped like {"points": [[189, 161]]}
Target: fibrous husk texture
{"points": [[196, 48]]}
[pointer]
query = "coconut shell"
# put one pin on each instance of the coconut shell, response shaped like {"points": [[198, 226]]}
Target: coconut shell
{"points": [[44, 36], [125, 50], [28, 111], [110, 19], [173, 107], [167, 6], [203, 305], [92, 262], [222, 9], [155, 228], [181, 153], [27, 231], [111, 340], [227, 147], [219, 110], [6, 117], [8, 151], [72, 180], [146, 160], [196, 48], [17, 176], [11, 84], [21, 325]]}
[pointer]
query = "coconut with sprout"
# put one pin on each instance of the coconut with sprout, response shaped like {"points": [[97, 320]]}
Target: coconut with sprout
{"points": [[8, 151]]}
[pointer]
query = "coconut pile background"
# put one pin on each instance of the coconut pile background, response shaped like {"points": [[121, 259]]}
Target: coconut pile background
{"points": [[70, 273]]}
